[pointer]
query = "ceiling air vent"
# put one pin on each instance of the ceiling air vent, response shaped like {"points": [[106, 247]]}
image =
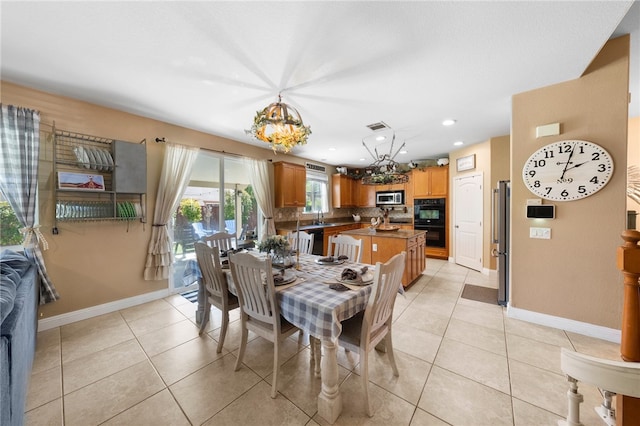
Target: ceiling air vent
{"points": [[378, 126], [315, 167]]}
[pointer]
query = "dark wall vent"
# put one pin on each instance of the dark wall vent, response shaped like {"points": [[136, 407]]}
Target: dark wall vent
{"points": [[378, 126], [315, 167]]}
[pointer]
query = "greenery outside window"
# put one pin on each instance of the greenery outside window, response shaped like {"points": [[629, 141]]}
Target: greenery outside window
{"points": [[317, 190], [9, 226]]}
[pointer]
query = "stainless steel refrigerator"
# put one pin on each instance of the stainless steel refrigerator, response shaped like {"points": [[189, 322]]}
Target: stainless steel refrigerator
{"points": [[500, 214]]}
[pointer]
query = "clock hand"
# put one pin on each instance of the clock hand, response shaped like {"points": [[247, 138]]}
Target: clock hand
{"points": [[568, 161], [577, 165]]}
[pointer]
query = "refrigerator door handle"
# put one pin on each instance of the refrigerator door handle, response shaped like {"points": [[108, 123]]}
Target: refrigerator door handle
{"points": [[494, 209]]}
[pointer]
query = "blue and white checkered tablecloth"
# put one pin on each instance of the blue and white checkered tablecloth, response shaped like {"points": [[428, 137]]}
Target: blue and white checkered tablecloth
{"points": [[311, 305]]}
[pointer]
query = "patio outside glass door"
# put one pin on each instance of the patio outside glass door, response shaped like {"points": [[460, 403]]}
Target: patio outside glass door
{"points": [[217, 199]]}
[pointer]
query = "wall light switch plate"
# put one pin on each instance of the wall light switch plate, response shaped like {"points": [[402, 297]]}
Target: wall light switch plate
{"points": [[540, 233], [374, 247]]}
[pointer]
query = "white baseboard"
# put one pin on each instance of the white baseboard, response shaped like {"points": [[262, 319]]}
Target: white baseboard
{"points": [[586, 329], [94, 311]]}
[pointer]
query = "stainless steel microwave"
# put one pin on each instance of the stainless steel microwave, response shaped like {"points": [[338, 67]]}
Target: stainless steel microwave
{"points": [[389, 198]]}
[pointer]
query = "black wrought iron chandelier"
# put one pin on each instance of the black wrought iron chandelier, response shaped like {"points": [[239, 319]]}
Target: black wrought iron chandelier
{"points": [[281, 126], [384, 169]]}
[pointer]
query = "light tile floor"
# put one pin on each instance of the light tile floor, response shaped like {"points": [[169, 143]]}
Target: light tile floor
{"points": [[461, 362]]}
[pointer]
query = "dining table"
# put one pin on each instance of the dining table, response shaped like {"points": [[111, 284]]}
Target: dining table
{"points": [[311, 304]]}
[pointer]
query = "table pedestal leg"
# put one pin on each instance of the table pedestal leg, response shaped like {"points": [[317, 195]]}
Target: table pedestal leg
{"points": [[329, 400]]}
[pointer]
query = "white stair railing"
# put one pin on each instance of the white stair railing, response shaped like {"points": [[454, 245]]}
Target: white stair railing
{"points": [[612, 377]]}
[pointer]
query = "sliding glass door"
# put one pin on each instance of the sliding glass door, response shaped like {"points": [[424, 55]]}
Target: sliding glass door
{"points": [[218, 198]]}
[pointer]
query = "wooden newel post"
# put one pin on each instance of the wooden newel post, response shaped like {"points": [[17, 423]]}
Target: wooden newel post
{"points": [[628, 408], [629, 264]]}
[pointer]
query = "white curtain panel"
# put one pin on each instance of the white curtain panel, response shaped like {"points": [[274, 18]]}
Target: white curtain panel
{"points": [[260, 172], [176, 170]]}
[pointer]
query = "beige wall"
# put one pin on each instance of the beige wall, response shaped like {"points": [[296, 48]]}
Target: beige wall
{"points": [[93, 263], [573, 275], [492, 160]]}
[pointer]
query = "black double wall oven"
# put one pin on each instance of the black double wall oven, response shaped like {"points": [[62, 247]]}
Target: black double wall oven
{"points": [[429, 215]]}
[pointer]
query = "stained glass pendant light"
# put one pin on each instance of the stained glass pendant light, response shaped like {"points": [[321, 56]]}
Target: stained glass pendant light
{"points": [[281, 126]]}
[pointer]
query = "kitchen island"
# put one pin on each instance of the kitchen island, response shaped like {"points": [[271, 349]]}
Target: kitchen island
{"points": [[380, 246]]}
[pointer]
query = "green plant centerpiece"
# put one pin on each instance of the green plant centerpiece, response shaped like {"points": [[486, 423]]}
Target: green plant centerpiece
{"points": [[278, 246]]}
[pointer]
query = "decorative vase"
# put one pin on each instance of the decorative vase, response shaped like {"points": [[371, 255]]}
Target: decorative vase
{"points": [[281, 258]]}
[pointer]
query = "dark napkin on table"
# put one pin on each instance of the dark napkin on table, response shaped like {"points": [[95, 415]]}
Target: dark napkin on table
{"points": [[330, 259], [278, 277], [349, 274]]}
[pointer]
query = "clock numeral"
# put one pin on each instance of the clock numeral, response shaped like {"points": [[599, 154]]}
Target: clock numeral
{"points": [[532, 173], [595, 156], [594, 180], [548, 188], [563, 149], [582, 189], [539, 163], [564, 193], [602, 168], [548, 154], [536, 183], [581, 149]]}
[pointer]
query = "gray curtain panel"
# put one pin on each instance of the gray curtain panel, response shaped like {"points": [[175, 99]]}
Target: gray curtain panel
{"points": [[19, 156]]}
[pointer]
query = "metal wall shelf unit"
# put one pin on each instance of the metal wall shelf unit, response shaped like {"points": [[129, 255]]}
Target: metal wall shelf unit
{"points": [[98, 179]]}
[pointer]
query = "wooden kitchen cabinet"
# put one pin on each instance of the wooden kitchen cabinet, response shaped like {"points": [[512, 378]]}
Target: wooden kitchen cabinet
{"points": [[437, 252], [380, 247], [391, 187], [290, 184], [342, 191], [364, 195], [430, 182], [330, 231]]}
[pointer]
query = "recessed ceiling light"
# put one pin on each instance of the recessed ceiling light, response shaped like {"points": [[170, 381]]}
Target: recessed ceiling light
{"points": [[380, 138], [332, 149], [458, 143], [362, 159], [449, 122], [404, 151]]}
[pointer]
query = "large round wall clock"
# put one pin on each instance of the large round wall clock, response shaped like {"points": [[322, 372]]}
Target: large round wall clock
{"points": [[567, 170]]}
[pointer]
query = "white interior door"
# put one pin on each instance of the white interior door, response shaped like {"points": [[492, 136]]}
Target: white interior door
{"points": [[467, 224]]}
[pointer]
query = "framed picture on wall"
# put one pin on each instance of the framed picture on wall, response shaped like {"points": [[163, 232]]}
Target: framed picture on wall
{"points": [[466, 163], [80, 181]]}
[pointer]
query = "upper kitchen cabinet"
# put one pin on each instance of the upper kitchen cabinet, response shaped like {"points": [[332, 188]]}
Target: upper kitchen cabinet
{"points": [[342, 191], [290, 184], [430, 182], [364, 195]]}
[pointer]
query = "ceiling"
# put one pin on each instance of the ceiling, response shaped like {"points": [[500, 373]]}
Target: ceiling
{"points": [[210, 66]]}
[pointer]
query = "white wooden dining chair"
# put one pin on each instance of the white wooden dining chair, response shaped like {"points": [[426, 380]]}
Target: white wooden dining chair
{"points": [[365, 330], [305, 239], [216, 290], [345, 245], [222, 240], [259, 309]]}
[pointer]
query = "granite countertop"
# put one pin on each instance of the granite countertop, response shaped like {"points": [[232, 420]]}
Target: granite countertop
{"points": [[401, 233], [291, 226]]}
